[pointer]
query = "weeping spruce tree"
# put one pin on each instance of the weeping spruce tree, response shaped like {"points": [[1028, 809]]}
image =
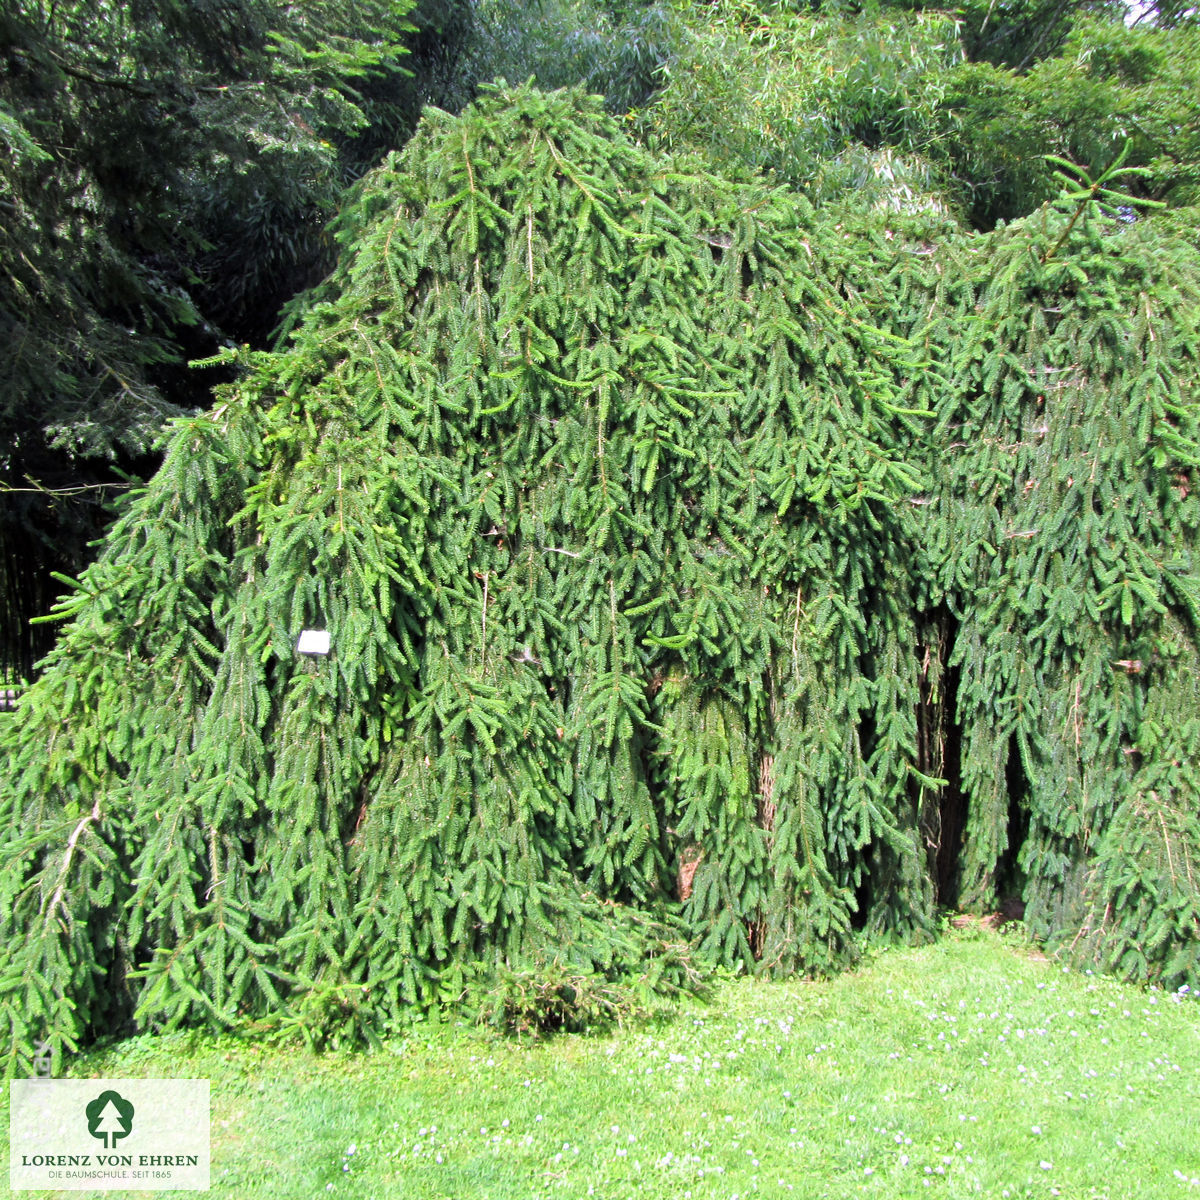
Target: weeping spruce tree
{"points": [[683, 579], [1061, 535]]}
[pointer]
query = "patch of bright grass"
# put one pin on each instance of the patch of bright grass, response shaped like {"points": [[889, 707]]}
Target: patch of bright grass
{"points": [[967, 1068]]}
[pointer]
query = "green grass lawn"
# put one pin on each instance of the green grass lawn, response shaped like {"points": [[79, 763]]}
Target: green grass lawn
{"points": [[968, 1068]]}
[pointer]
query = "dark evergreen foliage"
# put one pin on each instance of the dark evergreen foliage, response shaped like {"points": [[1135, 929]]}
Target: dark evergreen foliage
{"points": [[1061, 531], [167, 174], [684, 556]]}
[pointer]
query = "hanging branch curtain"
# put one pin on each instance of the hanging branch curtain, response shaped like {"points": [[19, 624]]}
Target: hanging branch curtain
{"points": [[643, 511]]}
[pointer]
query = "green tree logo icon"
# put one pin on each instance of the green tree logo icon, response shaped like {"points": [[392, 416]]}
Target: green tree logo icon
{"points": [[109, 1116]]}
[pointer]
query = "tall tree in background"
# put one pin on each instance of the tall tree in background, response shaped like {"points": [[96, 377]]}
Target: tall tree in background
{"points": [[615, 48], [169, 171], [901, 106]]}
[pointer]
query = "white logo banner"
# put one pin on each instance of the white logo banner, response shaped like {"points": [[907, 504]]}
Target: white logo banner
{"points": [[109, 1134]]}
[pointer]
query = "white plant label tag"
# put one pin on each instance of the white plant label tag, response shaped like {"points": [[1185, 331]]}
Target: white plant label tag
{"points": [[313, 641]]}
